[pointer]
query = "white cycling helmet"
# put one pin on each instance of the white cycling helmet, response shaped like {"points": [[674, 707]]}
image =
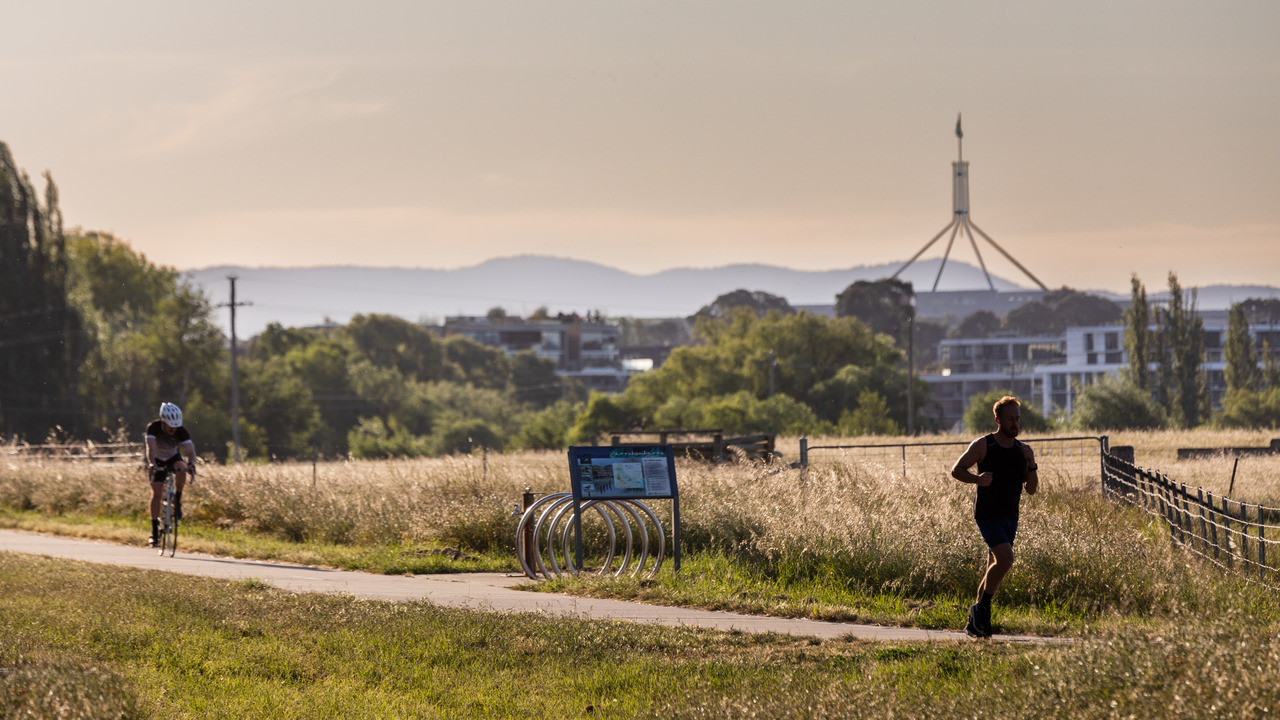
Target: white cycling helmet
{"points": [[171, 414]]}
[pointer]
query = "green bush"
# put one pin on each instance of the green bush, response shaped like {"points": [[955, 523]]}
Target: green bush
{"points": [[463, 436], [870, 417], [1250, 409], [373, 438], [980, 418], [1115, 404], [548, 429], [738, 414]]}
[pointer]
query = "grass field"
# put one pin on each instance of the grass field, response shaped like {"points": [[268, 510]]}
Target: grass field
{"points": [[875, 535], [860, 535], [97, 642]]}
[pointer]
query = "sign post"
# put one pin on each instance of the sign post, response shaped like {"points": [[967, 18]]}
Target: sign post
{"points": [[630, 472]]}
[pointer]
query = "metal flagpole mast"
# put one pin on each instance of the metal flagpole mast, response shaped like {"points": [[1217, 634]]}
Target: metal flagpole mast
{"points": [[960, 221]]}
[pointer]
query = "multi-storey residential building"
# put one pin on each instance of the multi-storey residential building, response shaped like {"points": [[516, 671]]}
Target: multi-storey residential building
{"points": [[972, 366], [584, 351], [1050, 371]]}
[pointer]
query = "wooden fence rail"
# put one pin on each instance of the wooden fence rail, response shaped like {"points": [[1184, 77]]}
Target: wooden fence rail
{"points": [[93, 452], [1228, 533]]}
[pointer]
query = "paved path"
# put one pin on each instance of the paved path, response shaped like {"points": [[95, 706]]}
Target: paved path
{"points": [[481, 591]]}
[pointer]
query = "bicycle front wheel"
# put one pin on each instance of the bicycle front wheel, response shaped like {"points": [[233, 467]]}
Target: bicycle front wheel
{"points": [[173, 536], [166, 524]]}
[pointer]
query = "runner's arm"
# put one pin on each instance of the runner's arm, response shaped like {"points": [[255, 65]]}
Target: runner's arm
{"points": [[1033, 479], [974, 455]]}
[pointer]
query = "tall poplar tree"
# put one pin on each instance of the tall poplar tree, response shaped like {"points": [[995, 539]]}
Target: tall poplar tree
{"points": [[1180, 348], [1137, 339], [1241, 362], [40, 334]]}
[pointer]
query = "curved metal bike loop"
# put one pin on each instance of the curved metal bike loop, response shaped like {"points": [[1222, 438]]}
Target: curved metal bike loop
{"points": [[551, 518]]}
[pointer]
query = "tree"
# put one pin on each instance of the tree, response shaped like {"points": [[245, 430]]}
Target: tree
{"points": [[758, 302], [1115, 404], [1033, 319], [883, 305], [151, 337], [1180, 343], [391, 342], [798, 352], [478, 364], [928, 334], [978, 324], [1241, 370], [980, 415], [1250, 409], [548, 429], [1079, 309], [844, 392], [1262, 311], [870, 417], [534, 380], [281, 406], [41, 340], [1137, 337]]}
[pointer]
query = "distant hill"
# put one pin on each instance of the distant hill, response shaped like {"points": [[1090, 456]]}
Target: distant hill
{"points": [[309, 296]]}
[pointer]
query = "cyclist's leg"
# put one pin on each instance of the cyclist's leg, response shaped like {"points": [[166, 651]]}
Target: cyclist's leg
{"points": [[157, 492], [179, 481]]}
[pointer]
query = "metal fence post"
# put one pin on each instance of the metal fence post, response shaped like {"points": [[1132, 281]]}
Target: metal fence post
{"points": [[804, 452], [1213, 529], [1262, 547], [526, 502]]}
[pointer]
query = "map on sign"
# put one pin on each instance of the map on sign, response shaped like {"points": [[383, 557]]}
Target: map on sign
{"points": [[623, 472]]}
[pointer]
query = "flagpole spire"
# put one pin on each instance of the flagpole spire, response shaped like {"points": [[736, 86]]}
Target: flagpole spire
{"points": [[960, 222]]}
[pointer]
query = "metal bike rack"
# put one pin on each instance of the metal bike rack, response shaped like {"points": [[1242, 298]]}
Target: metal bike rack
{"points": [[551, 521]]}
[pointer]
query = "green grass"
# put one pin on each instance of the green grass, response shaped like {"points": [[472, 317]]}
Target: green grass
{"points": [[417, 559], [78, 640]]}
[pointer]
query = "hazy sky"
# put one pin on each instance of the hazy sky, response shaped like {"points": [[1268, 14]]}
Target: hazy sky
{"points": [[1105, 136]]}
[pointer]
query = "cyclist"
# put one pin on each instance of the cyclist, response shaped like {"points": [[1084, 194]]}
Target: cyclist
{"points": [[167, 441]]}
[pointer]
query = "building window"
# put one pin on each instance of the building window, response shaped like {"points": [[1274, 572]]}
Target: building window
{"points": [[1088, 342], [1092, 358], [1113, 341], [1115, 358]]}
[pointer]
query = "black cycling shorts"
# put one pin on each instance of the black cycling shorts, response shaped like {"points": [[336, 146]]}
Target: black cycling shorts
{"points": [[163, 465]]}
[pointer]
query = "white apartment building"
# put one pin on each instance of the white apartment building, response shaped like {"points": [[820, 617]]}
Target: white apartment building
{"points": [[1051, 370]]}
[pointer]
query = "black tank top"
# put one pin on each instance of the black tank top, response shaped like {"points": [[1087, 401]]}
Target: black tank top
{"points": [[1008, 467]]}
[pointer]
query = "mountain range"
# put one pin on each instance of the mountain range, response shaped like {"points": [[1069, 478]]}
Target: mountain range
{"points": [[301, 296]]}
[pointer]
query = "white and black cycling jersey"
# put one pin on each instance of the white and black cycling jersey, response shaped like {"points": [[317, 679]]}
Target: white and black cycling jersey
{"points": [[167, 445]]}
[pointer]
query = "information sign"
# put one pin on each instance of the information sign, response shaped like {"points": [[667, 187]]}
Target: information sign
{"points": [[623, 472]]}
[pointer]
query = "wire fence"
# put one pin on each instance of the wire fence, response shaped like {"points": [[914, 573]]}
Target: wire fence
{"points": [[1233, 535], [1074, 462]]}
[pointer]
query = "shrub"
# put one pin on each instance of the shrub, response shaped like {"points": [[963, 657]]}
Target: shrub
{"points": [[1250, 409], [1115, 404], [979, 417]]}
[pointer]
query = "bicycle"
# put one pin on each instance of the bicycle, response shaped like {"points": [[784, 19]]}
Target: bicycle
{"points": [[169, 518]]}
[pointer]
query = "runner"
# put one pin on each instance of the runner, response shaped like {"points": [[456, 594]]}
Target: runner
{"points": [[1006, 466]]}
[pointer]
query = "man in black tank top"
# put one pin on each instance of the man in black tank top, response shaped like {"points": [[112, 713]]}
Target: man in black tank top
{"points": [[1005, 467]]}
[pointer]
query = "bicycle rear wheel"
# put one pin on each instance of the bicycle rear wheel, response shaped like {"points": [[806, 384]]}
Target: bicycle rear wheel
{"points": [[173, 535]]}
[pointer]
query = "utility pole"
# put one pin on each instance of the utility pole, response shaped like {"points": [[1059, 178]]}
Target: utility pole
{"points": [[235, 377], [911, 364]]}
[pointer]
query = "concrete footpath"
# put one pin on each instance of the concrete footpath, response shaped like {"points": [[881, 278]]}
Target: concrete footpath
{"points": [[495, 592]]}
